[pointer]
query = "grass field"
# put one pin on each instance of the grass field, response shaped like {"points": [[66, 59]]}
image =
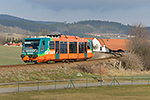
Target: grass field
{"points": [[136, 92], [10, 55]]}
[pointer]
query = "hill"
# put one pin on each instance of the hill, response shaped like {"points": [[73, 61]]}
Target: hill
{"points": [[9, 17], [13, 18], [15, 29], [77, 28]]}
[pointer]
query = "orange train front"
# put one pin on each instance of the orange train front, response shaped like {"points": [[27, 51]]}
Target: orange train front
{"points": [[56, 48]]}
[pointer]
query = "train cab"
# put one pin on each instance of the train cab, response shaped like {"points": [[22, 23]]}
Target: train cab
{"points": [[32, 48]]}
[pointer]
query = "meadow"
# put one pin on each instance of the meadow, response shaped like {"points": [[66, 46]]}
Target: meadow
{"points": [[10, 55], [132, 92]]}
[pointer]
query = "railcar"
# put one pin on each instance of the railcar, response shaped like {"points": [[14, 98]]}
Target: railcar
{"points": [[56, 48]]}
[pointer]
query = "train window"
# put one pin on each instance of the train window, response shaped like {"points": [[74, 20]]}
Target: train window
{"points": [[57, 47], [81, 47], [51, 44], [89, 44], [43, 46], [31, 43], [63, 47], [85, 47], [72, 47]]}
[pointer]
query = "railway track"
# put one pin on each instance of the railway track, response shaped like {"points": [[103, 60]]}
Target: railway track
{"points": [[112, 56]]}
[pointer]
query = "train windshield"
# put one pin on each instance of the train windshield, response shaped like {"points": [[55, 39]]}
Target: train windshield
{"points": [[34, 44]]}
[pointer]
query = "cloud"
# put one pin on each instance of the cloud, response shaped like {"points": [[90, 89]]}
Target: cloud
{"points": [[124, 11], [103, 5]]}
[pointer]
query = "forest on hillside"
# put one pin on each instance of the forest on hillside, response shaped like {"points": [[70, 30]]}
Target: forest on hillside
{"points": [[76, 28]]}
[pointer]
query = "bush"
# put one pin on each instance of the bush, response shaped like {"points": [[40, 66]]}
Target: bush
{"points": [[103, 71], [132, 61]]}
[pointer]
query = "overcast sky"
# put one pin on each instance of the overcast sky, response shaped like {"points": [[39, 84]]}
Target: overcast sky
{"points": [[122, 11]]}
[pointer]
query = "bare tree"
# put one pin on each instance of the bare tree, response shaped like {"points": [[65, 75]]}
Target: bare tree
{"points": [[46, 32], [38, 32], [2, 40], [140, 40], [140, 45]]}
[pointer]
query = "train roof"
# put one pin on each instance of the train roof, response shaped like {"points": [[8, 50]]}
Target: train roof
{"points": [[58, 37]]}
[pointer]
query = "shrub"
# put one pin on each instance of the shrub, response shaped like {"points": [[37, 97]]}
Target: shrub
{"points": [[102, 71], [132, 61]]}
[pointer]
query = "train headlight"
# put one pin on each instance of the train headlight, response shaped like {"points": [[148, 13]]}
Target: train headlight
{"points": [[35, 51]]}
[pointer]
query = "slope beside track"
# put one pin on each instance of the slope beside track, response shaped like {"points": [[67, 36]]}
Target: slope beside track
{"points": [[97, 57]]}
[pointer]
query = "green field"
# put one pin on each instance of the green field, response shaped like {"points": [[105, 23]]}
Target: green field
{"points": [[136, 92], [10, 55]]}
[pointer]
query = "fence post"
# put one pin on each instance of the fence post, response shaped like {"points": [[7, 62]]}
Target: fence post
{"points": [[148, 80], [113, 81], [101, 82], [132, 80], [38, 86], [71, 84], [86, 82], [55, 84], [18, 87]]}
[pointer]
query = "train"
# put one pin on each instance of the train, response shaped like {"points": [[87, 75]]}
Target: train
{"points": [[56, 48]]}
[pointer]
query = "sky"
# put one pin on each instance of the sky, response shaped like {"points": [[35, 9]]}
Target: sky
{"points": [[122, 11]]}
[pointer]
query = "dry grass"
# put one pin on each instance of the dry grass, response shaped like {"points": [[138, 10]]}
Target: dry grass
{"points": [[136, 92]]}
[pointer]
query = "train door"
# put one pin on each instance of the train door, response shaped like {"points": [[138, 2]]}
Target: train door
{"points": [[42, 46], [85, 54], [57, 50]]}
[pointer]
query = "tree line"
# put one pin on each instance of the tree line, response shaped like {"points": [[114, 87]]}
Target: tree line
{"points": [[4, 40], [76, 28]]}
